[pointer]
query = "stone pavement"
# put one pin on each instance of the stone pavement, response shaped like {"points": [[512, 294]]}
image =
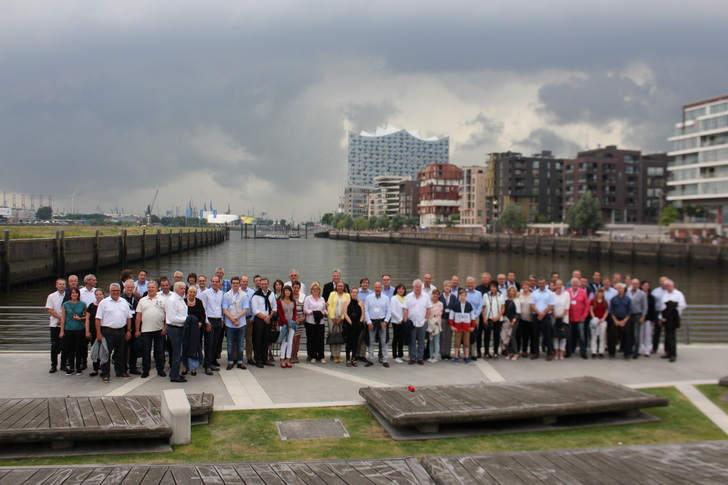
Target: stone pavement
{"points": [[25, 374]]}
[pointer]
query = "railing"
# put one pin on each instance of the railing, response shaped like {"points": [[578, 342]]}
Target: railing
{"points": [[25, 328]]}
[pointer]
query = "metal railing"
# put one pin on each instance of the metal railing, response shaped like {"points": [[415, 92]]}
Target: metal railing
{"points": [[25, 328]]}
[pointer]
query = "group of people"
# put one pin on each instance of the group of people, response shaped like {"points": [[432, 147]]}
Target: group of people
{"points": [[185, 321]]}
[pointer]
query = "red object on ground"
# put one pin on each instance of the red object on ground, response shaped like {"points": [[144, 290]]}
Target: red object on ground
{"points": [[411, 388]]}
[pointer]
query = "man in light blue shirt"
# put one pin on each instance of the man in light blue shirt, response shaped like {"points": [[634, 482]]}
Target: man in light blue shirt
{"points": [[387, 288], [475, 298], [377, 314], [235, 306], [542, 305], [212, 301]]}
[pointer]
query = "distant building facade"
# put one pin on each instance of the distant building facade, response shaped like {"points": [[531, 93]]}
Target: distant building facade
{"points": [[438, 192], [698, 174], [630, 187], [409, 198], [472, 196], [384, 199], [534, 184], [355, 201]]}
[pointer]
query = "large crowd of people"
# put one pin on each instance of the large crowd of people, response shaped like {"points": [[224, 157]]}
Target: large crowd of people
{"points": [[184, 322]]}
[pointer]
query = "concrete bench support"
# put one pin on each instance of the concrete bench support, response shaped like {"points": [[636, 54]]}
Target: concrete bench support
{"points": [[177, 412]]}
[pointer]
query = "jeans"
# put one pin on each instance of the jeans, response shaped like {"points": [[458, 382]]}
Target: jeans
{"points": [[577, 334], [174, 334], [435, 346], [153, 340], [378, 328], [417, 343], [636, 333], [235, 342], [116, 342], [211, 341]]}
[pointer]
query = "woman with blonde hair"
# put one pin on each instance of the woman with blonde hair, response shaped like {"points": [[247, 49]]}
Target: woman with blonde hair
{"points": [[315, 309], [336, 311]]}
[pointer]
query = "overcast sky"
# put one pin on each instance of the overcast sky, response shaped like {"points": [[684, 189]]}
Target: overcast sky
{"points": [[249, 103]]}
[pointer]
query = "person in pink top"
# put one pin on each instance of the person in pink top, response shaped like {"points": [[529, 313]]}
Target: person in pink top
{"points": [[578, 313]]}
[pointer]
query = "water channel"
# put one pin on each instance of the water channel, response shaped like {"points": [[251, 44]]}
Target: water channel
{"points": [[315, 258]]}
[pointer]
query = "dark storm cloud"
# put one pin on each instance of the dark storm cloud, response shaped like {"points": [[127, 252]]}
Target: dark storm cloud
{"points": [[485, 131], [367, 116], [545, 139]]}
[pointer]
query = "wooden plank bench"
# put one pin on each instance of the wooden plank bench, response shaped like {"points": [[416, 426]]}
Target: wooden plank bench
{"points": [[353, 471], [63, 421], [679, 463], [429, 407]]}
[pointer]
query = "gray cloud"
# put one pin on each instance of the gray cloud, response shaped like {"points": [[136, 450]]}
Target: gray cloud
{"points": [[368, 116], [545, 139], [485, 131]]}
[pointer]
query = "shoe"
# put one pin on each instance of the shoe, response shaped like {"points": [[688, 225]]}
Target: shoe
{"points": [[242, 366], [474, 359], [323, 361], [136, 372], [534, 356], [549, 358], [455, 361], [145, 375], [385, 364], [636, 356], [64, 368], [664, 356], [283, 365], [179, 379], [369, 364], [209, 372], [348, 364], [215, 363], [673, 359], [53, 370], [259, 366], [70, 372], [215, 367], [312, 361], [495, 356], [229, 367], [106, 380], [268, 363], [411, 362], [380, 360], [468, 361], [524, 354], [184, 372], [79, 373], [487, 357], [161, 373], [399, 360], [94, 373], [193, 372], [251, 362], [289, 366], [601, 356], [354, 364], [124, 376], [421, 362]]}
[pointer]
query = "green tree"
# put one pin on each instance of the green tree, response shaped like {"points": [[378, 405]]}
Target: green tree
{"points": [[382, 222], [511, 218], [669, 215], [44, 213], [282, 222], [361, 224], [585, 215], [343, 222], [327, 219], [397, 222]]}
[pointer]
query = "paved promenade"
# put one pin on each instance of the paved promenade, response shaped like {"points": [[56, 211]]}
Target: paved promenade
{"points": [[309, 385]]}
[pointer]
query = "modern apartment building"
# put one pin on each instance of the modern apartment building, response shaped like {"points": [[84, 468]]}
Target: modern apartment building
{"points": [[698, 174], [630, 187], [532, 183], [384, 199], [409, 198], [439, 184], [472, 196]]}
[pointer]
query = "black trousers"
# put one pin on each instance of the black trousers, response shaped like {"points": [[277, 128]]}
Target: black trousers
{"points": [[315, 341], [116, 341], [153, 340], [212, 338], [261, 337], [542, 328], [524, 335], [670, 342], [75, 344], [397, 340], [56, 347]]}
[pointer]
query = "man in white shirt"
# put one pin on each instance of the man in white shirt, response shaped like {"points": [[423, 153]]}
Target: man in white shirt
{"points": [[672, 306], [54, 305], [427, 285], [113, 323], [244, 281], [176, 316], [212, 301], [417, 307], [263, 307], [293, 275], [542, 304], [234, 308], [377, 312], [150, 327], [88, 292], [658, 293]]}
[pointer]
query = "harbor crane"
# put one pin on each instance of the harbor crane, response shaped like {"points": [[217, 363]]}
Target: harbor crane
{"points": [[148, 212]]}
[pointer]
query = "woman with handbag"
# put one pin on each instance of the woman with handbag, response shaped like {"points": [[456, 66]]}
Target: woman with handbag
{"points": [[314, 307], [287, 321], [336, 313]]}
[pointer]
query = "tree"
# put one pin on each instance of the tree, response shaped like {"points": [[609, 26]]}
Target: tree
{"points": [[44, 213], [361, 224], [343, 222], [397, 222], [669, 215], [282, 222], [585, 215], [382, 222], [327, 219], [511, 218]]}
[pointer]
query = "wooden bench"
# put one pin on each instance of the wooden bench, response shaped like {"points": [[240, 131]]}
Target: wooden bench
{"points": [[63, 421], [429, 407]]}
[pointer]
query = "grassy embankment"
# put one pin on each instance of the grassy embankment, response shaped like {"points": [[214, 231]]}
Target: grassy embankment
{"points": [[251, 436]]}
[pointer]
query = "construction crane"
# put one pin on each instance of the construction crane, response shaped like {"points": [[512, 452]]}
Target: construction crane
{"points": [[148, 212]]}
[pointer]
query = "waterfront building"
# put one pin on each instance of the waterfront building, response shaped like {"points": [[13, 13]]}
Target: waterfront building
{"points": [[355, 200], [629, 186], [409, 198], [472, 196], [388, 151], [384, 199], [438, 192], [534, 184], [698, 174]]}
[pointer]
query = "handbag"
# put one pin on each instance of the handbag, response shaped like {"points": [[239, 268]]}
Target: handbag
{"points": [[335, 338], [274, 334]]}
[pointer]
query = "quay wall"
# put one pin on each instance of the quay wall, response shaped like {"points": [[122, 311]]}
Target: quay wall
{"points": [[588, 248], [25, 261]]}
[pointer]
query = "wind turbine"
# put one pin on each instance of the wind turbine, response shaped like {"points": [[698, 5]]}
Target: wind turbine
{"points": [[72, 196]]}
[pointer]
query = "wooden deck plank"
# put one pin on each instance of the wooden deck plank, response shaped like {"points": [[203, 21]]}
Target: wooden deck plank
{"points": [[130, 416], [15, 412], [583, 468], [502, 469], [153, 476], [229, 475], [6, 404], [19, 476], [349, 473], [209, 474], [306, 474], [112, 410], [287, 474], [144, 415], [267, 474], [57, 477], [406, 470], [37, 415], [185, 475], [136, 475], [167, 478], [75, 417], [102, 417], [79, 476], [87, 412], [542, 472], [248, 475], [58, 413]]}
